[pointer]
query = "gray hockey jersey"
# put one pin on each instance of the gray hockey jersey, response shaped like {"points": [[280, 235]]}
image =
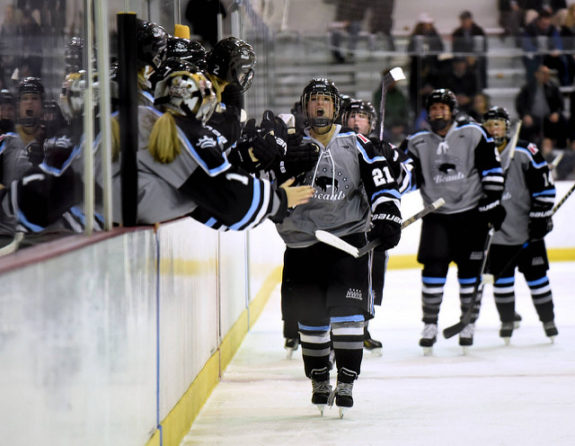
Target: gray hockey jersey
{"points": [[349, 178], [459, 167], [528, 183]]}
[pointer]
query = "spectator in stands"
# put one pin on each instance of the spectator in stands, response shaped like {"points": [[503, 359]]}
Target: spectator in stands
{"points": [[462, 81], [567, 29], [511, 18], [470, 41], [556, 8], [382, 20], [348, 17], [479, 106], [396, 112], [542, 45], [539, 104], [424, 47]]}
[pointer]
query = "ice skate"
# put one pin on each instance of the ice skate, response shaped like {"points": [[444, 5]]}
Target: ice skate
{"points": [[320, 394], [466, 337], [517, 320], [550, 330], [428, 338], [372, 345], [506, 331], [291, 345], [342, 395]]}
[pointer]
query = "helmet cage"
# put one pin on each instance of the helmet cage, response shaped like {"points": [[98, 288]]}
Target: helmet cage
{"points": [[359, 106], [324, 87]]}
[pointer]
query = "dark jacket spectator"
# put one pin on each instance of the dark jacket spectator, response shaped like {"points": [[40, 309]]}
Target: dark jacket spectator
{"points": [[470, 40]]}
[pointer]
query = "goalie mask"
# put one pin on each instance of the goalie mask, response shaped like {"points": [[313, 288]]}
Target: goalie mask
{"points": [[71, 99], [233, 61], [187, 50], [152, 44], [187, 93], [499, 125], [323, 87], [358, 106]]}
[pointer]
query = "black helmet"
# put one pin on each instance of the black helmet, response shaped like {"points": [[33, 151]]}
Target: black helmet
{"points": [[30, 85], [320, 85], [73, 55], [360, 106], [232, 60], [188, 50], [443, 96], [497, 113], [152, 44]]}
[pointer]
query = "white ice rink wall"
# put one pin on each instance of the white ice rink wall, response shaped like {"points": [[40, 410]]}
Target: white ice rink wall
{"points": [[103, 344]]}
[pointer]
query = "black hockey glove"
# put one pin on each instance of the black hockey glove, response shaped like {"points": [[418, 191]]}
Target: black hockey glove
{"points": [[270, 146], [491, 210], [241, 156], [35, 152], [386, 226], [300, 159], [540, 222]]}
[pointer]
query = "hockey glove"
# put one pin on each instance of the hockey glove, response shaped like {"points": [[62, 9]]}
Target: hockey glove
{"points": [[272, 125], [491, 210], [35, 152], [540, 222], [300, 159], [386, 226]]}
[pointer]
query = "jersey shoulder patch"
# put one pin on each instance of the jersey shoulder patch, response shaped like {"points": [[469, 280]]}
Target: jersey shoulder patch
{"points": [[363, 138], [532, 148]]}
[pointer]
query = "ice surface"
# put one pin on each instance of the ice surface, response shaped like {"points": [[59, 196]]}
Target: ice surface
{"points": [[521, 394]]}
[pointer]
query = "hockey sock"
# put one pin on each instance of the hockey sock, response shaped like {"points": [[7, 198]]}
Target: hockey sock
{"points": [[347, 337], [542, 297], [504, 296], [432, 296], [315, 345], [467, 297]]}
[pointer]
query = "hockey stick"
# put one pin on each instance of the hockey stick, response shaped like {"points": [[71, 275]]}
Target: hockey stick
{"points": [[393, 75], [476, 297], [563, 199], [336, 242], [13, 245]]}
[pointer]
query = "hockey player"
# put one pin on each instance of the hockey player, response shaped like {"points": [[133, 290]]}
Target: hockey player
{"points": [[7, 111], [528, 200], [458, 162], [151, 53], [361, 116], [326, 289]]}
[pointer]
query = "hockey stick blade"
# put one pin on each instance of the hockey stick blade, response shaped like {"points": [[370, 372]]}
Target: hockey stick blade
{"points": [[13, 245], [336, 242]]}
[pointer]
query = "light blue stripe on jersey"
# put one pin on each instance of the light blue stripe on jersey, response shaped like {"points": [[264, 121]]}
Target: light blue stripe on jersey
{"points": [[505, 280], [352, 318], [211, 172], [393, 192], [366, 157], [211, 222], [494, 170], [34, 228], [422, 132], [538, 281], [313, 328], [434, 280], [550, 192], [488, 137], [3, 145], [469, 281], [530, 155], [78, 213], [253, 207]]}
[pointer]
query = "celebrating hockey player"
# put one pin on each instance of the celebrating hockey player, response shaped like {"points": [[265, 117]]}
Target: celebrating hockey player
{"points": [[528, 201], [325, 289], [459, 163]]}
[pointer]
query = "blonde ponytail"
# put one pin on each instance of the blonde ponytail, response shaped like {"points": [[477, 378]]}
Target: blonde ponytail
{"points": [[164, 145]]}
